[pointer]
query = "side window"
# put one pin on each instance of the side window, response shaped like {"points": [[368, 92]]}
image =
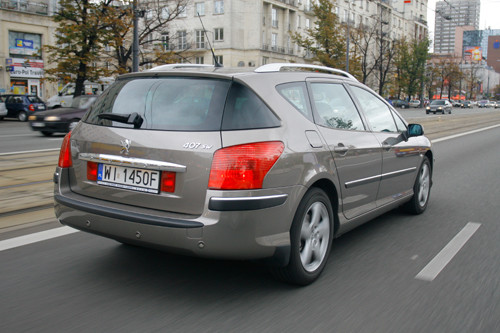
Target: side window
{"points": [[245, 110], [334, 107], [296, 94], [399, 123], [377, 113]]}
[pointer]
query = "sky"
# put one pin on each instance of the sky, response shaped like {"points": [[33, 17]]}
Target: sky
{"points": [[489, 17]]}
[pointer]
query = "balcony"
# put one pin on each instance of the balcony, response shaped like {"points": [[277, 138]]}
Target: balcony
{"points": [[277, 49], [32, 7]]}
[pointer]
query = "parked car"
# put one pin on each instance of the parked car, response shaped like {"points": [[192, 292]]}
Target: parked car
{"points": [[497, 104], [439, 106], [490, 104], [456, 103], [21, 106], [270, 164], [61, 120], [414, 103], [3, 109], [483, 103], [466, 104], [399, 103]]}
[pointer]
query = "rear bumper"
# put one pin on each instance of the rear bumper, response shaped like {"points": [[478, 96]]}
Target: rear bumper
{"points": [[52, 127], [229, 228]]}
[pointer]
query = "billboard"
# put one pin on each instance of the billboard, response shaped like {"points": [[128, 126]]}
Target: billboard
{"points": [[473, 53]]}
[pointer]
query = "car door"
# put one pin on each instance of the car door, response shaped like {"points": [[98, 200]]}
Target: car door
{"points": [[355, 150], [401, 158]]}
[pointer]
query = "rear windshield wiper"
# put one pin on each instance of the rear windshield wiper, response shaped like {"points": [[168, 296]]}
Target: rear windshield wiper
{"points": [[132, 118]]}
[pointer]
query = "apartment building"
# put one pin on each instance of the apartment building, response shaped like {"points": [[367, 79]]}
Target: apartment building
{"points": [[451, 14]]}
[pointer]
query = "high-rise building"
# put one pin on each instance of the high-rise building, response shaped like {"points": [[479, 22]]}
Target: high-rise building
{"points": [[451, 14]]}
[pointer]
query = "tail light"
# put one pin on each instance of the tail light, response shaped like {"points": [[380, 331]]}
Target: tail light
{"points": [[65, 160], [92, 170], [243, 166], [168, 181], [31, 108]]}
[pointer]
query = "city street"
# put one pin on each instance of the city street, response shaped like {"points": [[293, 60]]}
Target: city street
{"points": [[435, 272]]}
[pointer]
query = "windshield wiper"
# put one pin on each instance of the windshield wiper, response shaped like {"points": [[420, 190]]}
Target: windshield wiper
{"points": [[132, 118]]}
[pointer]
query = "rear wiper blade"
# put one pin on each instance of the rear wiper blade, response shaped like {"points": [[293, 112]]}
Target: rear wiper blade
{"points": [[132, 118]]}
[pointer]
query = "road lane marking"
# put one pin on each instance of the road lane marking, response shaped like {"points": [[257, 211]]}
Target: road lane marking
{"points": [[436, 265], [36, 237], [465, 133], [29, 151]]}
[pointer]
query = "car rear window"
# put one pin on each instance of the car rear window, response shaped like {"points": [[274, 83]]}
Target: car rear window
{"points": [[34, 99], [183, 104]]}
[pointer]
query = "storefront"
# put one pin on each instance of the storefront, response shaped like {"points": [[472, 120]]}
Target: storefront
{"points": [[25, 76], [25, 65]]}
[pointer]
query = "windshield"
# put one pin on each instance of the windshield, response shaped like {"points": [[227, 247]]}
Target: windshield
{"points": [[437, 103]]}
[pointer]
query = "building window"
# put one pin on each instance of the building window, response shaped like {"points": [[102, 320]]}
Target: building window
{"points": [[199, 60], [218, 34], [182, 11], [219, 7], [165, 41], [200, 39], [200, 8], [219, 59], [274, 17], [274, 41], [165, 13], [182, 39], [308, 23], [23, 45]]}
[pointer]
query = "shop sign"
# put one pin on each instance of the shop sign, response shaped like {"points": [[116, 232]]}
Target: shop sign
{"points": [[19, 67]]}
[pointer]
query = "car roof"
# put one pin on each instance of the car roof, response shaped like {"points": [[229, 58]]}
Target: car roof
{"points": [[229, 72]]}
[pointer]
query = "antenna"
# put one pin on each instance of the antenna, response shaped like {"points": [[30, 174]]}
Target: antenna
{"points": [[216, 63]]}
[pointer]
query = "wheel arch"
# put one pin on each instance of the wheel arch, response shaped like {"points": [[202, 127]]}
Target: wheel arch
{"points": [[331, 191]]}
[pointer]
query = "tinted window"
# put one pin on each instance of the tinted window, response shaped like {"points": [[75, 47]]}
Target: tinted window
{"points": [[34, 99], [377, 113], [334, 107], [296, 94], [245, 110], [172, 103]]}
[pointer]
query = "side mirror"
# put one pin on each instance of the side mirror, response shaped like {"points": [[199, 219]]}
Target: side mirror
{"points": [[415, 130]]}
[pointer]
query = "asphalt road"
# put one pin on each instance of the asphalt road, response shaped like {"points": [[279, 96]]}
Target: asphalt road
{"points": [[377, 279]]}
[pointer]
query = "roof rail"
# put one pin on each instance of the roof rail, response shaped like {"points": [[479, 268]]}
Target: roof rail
{"points": [[281, 67], [178, 66]]}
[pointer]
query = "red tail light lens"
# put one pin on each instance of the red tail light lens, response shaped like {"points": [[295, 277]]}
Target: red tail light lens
{"points": [[168, 181], [65, 160], [92, 171], [243, 166], [31, 107]]}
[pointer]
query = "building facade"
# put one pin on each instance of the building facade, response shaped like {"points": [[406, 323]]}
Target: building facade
{"points": [[451, 14], [24, 28]]}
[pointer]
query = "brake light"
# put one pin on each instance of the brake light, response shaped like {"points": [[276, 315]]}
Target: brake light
{"points": [[31, 108], [92, 170], [65, 153], [168, 181], [243, 166]]}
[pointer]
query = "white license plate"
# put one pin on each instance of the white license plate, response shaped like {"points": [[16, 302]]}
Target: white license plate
{"points": [[38, 124], [41, 108], [141, 180]]}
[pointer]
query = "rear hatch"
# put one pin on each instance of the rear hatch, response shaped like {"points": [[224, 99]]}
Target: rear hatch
{"points": [[38, 104], [149, 142]]}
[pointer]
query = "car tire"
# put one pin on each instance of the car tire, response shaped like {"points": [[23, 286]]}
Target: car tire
{"points": [[421, 189], [22, 116], [311, 237], [45, 133]]}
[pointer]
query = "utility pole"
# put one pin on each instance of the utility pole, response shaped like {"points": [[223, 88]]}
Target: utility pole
{"points": [[135, 43]]}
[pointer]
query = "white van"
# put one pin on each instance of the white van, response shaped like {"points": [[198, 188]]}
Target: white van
{"points": [[65, 96]]}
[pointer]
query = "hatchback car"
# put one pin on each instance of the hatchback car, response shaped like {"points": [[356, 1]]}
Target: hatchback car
{"points": [[439, 106], [61, 120], [271, 164], [22, 106], [414, 103]]}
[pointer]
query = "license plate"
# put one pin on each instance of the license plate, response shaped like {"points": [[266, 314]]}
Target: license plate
{"points": [[38, 124], [41, 107], [142, 180]]}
